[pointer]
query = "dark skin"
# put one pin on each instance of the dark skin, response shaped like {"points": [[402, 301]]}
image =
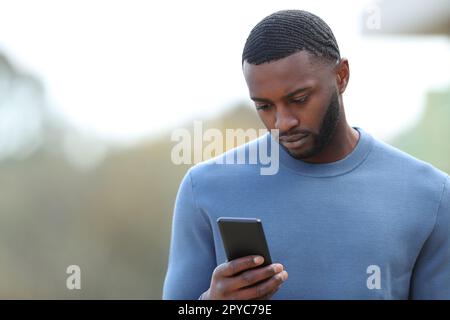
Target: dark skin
{"points": [[276, 88], [242, 279], [301, 96]]}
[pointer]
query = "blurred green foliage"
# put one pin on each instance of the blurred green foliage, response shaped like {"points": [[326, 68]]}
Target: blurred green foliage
{"points": [[429, 138]]}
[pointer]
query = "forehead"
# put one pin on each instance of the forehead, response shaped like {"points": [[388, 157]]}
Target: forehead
{"points": [[285, 75]]}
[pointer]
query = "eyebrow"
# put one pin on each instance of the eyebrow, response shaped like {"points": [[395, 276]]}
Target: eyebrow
{"points": [[289, 95]]}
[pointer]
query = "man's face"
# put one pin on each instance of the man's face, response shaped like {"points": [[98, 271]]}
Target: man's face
{"points": [[298, 96]]}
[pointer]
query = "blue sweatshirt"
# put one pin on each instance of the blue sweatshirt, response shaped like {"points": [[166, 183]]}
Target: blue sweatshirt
{"points": [[373, 225]]}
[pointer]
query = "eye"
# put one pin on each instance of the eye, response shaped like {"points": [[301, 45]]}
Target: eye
{"points": [[300, 100], [263, 107]]}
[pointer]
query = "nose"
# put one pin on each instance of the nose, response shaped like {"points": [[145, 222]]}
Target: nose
{"points": [[285, 120]]}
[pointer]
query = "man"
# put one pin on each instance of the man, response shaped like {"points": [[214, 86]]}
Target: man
{"points": [[348, 216]]}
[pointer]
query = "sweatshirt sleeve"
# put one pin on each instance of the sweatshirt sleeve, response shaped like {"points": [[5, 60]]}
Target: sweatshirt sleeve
{"points": [[431, 275], [192, 254]]}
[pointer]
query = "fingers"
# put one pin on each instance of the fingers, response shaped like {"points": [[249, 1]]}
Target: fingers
{"points": [[266, 288], [236, 266], [242, 279], [253, 276], [269, 296]]}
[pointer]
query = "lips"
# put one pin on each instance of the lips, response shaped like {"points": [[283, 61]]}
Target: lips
{"points": [[294, 141], [292, 138]]}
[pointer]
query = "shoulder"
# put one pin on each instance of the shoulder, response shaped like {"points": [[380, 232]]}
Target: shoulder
{"points": [[418, 176]]}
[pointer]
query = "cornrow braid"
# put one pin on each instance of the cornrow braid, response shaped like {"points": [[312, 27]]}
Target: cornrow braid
{"points": [[285, 32]]}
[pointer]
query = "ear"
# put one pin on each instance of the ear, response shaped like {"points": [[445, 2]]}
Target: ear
{"points": [[342, 74]]}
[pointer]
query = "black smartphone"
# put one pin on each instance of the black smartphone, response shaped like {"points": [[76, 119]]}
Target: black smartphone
{"points": [[243, 237]]}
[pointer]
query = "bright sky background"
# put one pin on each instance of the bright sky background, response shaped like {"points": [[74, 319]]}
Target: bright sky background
{"points": [[127, 69]]}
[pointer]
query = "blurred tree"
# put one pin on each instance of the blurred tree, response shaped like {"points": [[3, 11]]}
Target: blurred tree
{"points": [[21, 111], [112, 220]]}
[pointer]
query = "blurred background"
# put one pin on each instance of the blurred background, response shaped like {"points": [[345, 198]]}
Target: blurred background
{"points": [[90, 92]]}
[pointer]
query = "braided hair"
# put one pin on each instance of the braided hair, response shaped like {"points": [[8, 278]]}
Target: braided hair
{"points": [[286, 32]]}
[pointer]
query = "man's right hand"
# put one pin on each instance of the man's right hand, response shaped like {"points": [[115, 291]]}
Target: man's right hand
{"points": [[242, 279]]}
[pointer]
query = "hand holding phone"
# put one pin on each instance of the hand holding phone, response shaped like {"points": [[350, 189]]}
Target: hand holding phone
{"points": [[246, 275]]}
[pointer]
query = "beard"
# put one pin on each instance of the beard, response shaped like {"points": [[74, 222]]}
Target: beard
{"points": [[326, 132]]}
